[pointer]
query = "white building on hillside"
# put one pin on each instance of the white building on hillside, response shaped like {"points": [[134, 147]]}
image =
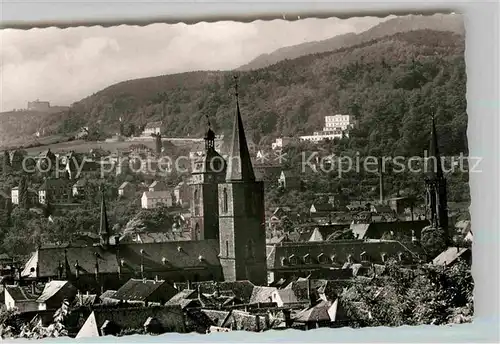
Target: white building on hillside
{"points": [[154, 199], [336, 127]]}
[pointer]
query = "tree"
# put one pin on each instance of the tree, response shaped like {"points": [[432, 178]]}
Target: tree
{"points": [[23, 193]]}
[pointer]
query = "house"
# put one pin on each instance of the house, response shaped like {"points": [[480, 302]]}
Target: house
{"points": [[55, 191], [152, 128], [400, 204], [16, 159], [154, 199], [321, 209], [158, 186], [244, 321], [54, 293], [32, 196], [79, 188], [14, 194], [322, 314], [127, 190], [111, 321], [289, 180], [21, 298], [145, 291], [282, 142], [381, 209]]}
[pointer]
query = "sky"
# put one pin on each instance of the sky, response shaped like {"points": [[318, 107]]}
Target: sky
{"points": [[65, 65]]}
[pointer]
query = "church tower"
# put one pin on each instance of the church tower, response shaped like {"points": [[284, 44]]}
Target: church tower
{"points": [[241, 214], [208, 172], [436, 200]]}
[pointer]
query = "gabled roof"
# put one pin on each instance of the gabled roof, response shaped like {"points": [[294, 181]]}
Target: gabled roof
{"points": [[157, 194], [51, 289], [20, 294], [141, 290], [318, 312], [450, 255], [125, 184], [171, 319], [323, 206], [261, 294]]}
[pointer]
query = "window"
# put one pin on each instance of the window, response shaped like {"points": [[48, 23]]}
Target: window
{"points": [[196, 202], [307, 259], [227, 248], [224, 204], [197, 232]]}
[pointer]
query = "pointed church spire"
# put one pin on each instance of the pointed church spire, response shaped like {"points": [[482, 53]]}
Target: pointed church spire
{"points": [[104, 226], [436, 170], [209, 136], [239, 167]]}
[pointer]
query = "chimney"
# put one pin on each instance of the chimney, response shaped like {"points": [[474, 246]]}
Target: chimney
{"points": [[198, 288], [257, 322], [189, 286], [33, 287]]}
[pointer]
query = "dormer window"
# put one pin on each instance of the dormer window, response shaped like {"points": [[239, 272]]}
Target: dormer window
{"points": [[363, 256], [284, 261], [122, 262], [307, 259], [164, 261], [384, 257], [322, 258], [401, 256], [294, 260], [333, 258], [350, 259], [201, 258]]}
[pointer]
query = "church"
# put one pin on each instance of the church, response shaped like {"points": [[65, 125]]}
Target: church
{"points": [[228, 233]]}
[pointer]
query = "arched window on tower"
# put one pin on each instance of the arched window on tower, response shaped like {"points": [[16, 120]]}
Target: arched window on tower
{"points": [[197, 232], [196, 202], [224, 201]]}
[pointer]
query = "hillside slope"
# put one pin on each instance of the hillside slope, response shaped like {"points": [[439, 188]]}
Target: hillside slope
{"points": [[437, 22], [391, 84]]}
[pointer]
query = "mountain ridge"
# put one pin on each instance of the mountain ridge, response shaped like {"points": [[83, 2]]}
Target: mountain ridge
{"points": [[437, 22]]}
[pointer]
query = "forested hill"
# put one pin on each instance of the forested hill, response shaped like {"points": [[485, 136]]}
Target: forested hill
{"points": [[436, 22], [391, 84]]}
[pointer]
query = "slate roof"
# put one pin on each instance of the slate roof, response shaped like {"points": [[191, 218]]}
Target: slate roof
{"points": [[142, 290], [376, 230], [261, 294], [107, 294], [20, 294], [53, 183], [241, 289], [217, 317], [318, 312], [336, 253], [170, 317], [124, 185], [157, 257], [51, 289]]}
